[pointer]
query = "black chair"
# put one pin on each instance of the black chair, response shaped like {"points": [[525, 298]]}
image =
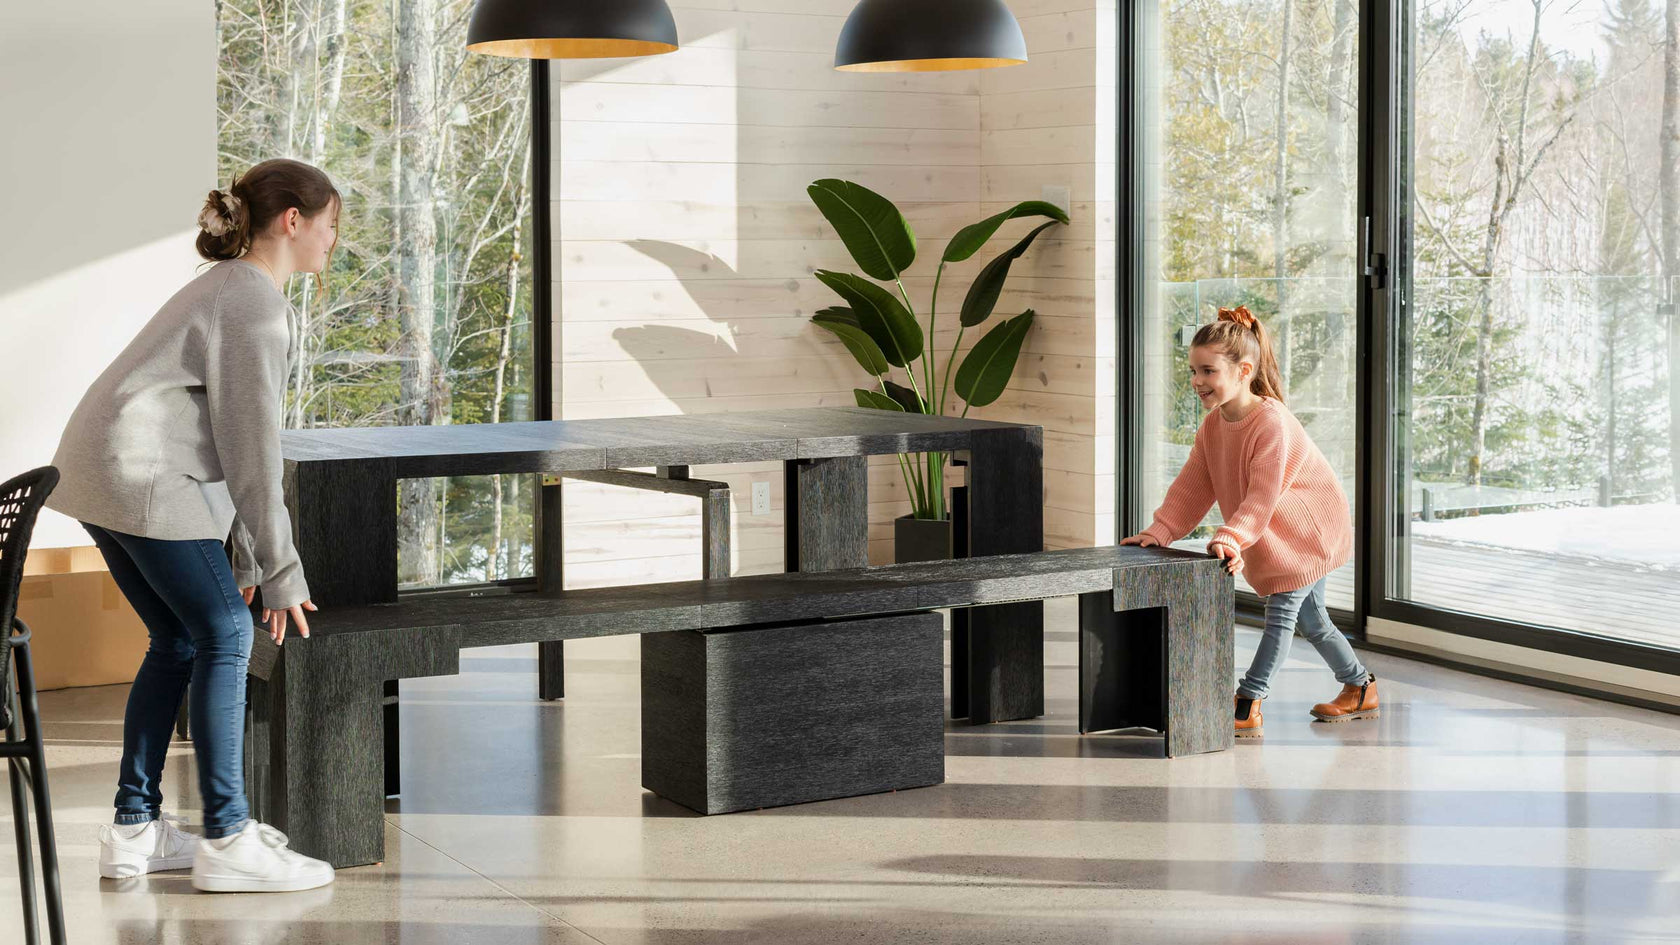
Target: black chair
{"points": [[24, 748]]}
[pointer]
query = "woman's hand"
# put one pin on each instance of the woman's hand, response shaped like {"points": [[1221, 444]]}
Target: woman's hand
{"points": [[1141, 540], [1232, 556], [276, 620]]}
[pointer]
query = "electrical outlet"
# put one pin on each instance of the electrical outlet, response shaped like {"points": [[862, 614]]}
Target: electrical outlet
{"points": [[761, 498], [1059, 195]]}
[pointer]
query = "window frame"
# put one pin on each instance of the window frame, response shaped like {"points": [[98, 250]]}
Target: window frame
{"points": [[1384, 86]]}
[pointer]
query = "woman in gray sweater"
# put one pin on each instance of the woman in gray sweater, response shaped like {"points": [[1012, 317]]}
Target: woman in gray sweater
{"points": [[176, 445]]}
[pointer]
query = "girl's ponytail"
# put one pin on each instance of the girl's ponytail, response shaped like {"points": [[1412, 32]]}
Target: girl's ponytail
{"points": [[1241, 337]]}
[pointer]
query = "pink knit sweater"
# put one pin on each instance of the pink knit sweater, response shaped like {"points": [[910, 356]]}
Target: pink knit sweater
{"points": [[1282, 503]]}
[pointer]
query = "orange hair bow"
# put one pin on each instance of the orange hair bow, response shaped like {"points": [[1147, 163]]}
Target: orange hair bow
{"points": [[1241, 315]]}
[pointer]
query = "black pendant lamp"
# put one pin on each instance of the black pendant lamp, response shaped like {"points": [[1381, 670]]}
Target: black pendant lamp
{"points": [[571, 29], [929, 36]]}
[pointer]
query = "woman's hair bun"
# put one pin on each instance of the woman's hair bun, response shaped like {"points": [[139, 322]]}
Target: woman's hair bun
{"points": [[232, 218], [222, 214]]}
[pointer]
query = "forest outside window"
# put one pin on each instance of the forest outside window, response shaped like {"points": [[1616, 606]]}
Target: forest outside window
{"points": [[1536, 413], [426, 318]]}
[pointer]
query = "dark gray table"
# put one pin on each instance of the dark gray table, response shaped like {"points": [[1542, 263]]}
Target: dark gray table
{"points": [[341, 487]]}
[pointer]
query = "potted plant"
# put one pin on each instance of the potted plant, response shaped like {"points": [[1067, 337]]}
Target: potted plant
{"points": [[880, 329]]}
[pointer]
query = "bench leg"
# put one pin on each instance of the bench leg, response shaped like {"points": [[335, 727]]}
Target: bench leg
{"points": [[550, 564], [312, 773], [1165, 659]]}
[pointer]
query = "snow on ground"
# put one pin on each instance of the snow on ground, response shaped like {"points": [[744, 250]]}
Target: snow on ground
{"points": [[1639, 534]]}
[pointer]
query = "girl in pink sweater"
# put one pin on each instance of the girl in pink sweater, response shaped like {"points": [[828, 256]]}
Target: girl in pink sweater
{"points": [[1286, 520]]}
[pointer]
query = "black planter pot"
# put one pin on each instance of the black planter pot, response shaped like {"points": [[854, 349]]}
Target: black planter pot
{"points": [[918, 539]]}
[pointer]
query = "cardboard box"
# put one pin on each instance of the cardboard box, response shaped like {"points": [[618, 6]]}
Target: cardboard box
{"points": [[85, 633]]}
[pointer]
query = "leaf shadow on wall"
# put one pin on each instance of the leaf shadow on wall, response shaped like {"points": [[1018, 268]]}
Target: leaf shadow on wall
{"points": [[668, 354]]}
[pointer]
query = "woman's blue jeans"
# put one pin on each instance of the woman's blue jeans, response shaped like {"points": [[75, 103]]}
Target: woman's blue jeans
{"points": [[1303, 608], [201, 632]]}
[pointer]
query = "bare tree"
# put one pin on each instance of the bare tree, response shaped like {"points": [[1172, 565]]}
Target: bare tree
{"points": [[1669, 187], [509, 314], [1280, 192], [420, 394], [1514, 165]]}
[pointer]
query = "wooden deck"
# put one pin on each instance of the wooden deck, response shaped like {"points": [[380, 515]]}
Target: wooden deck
{"points": [[1622, 601]]}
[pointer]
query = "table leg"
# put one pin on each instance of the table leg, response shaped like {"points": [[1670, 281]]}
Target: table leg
{"points": [[1005, 515], [826, 511], [315, 706], [344, 524], [714, 531], [959, 615], [551, 656], [311, 773]]}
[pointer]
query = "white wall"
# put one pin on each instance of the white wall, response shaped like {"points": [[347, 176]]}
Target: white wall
{"points": [[684, 245], [1053, 122], [109, 109]]}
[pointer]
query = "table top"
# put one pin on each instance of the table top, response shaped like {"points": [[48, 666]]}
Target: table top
{"points": [[614, 443]]}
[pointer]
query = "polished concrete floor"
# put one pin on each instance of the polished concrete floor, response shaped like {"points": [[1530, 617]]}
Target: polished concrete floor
{"points": [[1474, 811]]}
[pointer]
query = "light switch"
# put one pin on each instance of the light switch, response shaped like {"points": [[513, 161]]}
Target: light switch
{"points": [[1059, 195]]}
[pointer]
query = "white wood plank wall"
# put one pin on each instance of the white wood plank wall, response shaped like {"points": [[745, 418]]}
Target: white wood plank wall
{"points": [[684, 245], [1052, 122]]}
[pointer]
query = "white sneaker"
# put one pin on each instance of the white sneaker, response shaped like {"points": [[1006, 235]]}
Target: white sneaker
{"points": [[158, 845], [256, 859]]}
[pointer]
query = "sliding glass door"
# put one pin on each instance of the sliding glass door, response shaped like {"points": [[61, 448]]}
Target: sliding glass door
{"points": [[1531, 402], [1246, 138]]}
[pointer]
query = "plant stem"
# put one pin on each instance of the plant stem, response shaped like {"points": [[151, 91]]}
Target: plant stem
{"points": [[936, 474], [945, 387], [937, 407], [905, 467], [912, 476], [909, 369]]}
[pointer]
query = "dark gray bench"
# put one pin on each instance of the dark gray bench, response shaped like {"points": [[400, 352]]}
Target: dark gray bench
{"points": [[1155, 651]]}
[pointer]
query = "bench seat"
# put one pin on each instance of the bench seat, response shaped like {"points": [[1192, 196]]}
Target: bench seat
{"points": [[1155, 651], [526, 617]]}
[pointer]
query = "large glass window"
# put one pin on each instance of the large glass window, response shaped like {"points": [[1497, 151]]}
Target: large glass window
{"points": [[426, 318], [1533, 423], [1248, 137]]}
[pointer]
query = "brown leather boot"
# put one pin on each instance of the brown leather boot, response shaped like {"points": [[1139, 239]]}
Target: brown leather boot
{"points": [[1248, 717], [1354, 702]]}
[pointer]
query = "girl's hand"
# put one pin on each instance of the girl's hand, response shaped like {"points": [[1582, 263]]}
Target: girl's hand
{"points": [[1232, 557], [1141, 540], [276, 620], [248, 593]]}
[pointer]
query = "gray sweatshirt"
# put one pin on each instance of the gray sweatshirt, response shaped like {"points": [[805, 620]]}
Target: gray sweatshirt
{"points": [[179, 438]]}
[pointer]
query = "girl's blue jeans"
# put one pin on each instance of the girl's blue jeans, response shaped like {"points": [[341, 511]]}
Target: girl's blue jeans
{"points": [[201, 632], [1284, 612]]}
